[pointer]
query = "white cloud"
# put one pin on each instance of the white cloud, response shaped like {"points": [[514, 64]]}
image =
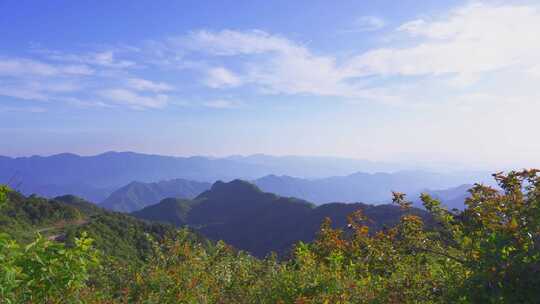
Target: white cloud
{"points": [[535, 71], [140, 84], [41, 90], [15, 67], [28, 67], [85, 103], [134, 100], [22, 93], [459, 48], [469, 45], [471, 40], [23, 109], [223, 104], [367, 24], [105, 59], [229, 42], [275, 64], [221, 78]]}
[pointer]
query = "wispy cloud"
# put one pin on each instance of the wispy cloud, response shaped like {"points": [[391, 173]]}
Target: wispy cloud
{"points": [[450, 52], [23, 109], [28, 67], [231, 42], [133, 99], [140, 84], [223, 104], [366, 24], [106, 58], [275, 64], [458, 48], [221, 78], [22, 93]]}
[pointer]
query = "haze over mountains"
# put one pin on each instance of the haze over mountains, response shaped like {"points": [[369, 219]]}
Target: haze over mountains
{"points": [[316, 179], [363, 187], [112, 170]]}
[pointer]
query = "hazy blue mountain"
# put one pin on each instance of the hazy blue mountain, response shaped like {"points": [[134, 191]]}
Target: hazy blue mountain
{"points": [[96, 177], [241, 214], [315, 166], [371, 188], [452, 198], [137, 195], [119, 168], [84, 175], [365, 187]]}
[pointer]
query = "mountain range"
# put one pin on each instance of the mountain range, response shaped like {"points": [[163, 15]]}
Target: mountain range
{"points": [[365, 187], [360, 187], [237, 212], [111, 170], [242, 215], [96, 177], [452, 198]]}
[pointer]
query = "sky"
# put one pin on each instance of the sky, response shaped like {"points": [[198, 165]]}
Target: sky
{"points": [[437, 81]]}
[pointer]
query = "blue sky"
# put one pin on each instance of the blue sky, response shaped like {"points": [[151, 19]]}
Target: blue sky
{"points": [[383, 80]]}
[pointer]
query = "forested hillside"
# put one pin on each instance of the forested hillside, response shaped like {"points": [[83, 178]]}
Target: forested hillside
{"points": [[64, 218], [242, 215]]}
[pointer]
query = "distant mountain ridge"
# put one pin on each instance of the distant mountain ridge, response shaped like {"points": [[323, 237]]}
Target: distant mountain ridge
{"points": [[244, 216], [359, 187], [137, 195], [95, 177], [365, 187], [452, 198]]}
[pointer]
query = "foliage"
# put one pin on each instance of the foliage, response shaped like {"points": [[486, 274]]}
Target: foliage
{"points": [[488, 253], [22, 216], [43, 271], [120, 236]]}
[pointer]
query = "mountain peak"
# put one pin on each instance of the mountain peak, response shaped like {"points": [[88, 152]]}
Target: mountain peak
{"points": [[236, 185]]}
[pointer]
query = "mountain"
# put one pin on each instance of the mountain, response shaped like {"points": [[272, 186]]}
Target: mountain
{"points": [[452, 198], [112, 170], [360, 186], [315, 166], [95, 177], [244, 216], [137, 195], [371, 188]]}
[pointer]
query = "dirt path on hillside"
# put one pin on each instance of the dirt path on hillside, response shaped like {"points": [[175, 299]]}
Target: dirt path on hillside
{"points": [[59, 226]]}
